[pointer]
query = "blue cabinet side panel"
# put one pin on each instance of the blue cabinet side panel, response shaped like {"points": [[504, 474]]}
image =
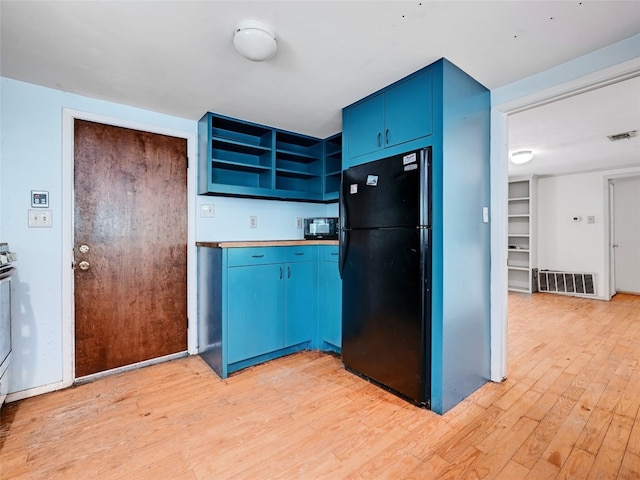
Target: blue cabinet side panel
{"points": [[465, 336], [210, 308], [437, 241], [330, 293]]}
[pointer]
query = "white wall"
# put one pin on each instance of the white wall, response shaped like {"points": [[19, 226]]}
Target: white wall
{"points": [[562, 243]]}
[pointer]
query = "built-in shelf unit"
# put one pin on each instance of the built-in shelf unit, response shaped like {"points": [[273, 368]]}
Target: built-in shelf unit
{"points": [[241, 158], [521, 258]]}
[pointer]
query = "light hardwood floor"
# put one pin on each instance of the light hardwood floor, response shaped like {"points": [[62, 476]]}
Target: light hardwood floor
{"points": [[569, 409]]}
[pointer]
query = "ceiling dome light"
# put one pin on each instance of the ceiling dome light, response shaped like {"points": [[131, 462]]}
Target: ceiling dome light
{"points": [[522, 156], [255, 40]]}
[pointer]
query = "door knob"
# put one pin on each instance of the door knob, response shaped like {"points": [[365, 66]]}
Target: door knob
{"points": [[84, 248], [84, 265], [615, 245]]}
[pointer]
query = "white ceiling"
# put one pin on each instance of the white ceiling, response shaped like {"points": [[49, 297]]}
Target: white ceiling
{"points": [[177, 57], [570, 135]]}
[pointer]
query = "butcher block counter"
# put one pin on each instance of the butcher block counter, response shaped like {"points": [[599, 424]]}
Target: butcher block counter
{"points": [[265, 243]]}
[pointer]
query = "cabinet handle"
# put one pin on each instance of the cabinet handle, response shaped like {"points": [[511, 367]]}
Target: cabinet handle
{"points": [[257, 256], [288, 272], [386, 136], [335, 253], [281, 273], [379, 139], [299, 253]]}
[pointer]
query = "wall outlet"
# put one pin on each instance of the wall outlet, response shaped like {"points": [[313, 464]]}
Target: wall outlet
{"points": [[253, 221], [39, 218], [208, 210], [299, 222]]}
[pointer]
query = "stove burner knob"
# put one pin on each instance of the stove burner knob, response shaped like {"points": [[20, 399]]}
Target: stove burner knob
{"points": [[84, 265]]}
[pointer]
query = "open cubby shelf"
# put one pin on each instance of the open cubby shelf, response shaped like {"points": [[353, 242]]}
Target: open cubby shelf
{"points": [[521, 235], [247, 159]]}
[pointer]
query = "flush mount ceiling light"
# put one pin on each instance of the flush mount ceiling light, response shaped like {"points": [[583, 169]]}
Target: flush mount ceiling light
{"points": [[255, 40], [522, 156]]}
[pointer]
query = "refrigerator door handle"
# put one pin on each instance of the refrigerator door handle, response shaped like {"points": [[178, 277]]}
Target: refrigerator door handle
{"points": [[342, 250], [425, 191], [342, 236]]}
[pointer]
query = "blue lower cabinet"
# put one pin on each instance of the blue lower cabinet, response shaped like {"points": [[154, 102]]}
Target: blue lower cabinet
{"points": [[300, 304], [330, 300], [255, 310], [255, 304]]}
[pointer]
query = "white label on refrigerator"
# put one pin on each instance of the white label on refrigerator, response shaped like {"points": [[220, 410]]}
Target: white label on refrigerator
{"points": [[410, 158], [353, 188], [372, 180], [413, 166]]}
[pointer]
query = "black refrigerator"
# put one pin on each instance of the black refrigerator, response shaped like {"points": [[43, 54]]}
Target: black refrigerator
{"points": [[385, 264]]}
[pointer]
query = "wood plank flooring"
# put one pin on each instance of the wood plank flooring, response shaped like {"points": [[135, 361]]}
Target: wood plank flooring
{"points": [[569, 410]]}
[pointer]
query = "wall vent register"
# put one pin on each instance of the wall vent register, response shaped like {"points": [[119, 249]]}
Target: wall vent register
{"points": [[570, 283]]}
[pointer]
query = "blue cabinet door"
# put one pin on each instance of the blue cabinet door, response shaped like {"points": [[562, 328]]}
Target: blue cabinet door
{"points": [[255, 310], [330, 295], [365, 124], [300, 304], [399, 114], [409, 110]]}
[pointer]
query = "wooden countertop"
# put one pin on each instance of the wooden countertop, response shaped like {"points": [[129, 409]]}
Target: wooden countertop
{"points": [[265, 243]]}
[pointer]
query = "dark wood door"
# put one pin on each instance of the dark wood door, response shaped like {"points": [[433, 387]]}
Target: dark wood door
{"points": [[131, 214]]}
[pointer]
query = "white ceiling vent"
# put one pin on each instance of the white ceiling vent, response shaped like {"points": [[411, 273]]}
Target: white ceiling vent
{"points": [[622, 136]]}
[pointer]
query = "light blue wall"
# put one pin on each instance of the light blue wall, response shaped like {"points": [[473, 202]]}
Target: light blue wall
{"points": [[31, 159], [276, 220]]}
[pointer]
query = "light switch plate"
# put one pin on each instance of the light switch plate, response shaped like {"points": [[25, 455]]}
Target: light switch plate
{"points": [[39, 218]]}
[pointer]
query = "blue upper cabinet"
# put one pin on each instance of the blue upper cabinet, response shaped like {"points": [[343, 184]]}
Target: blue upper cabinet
{"points": [[401, 113], [239, 158], [364, 123]]}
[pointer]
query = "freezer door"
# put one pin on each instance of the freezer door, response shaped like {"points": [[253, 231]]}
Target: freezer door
{"points": [[392, 192], [385, 309]]}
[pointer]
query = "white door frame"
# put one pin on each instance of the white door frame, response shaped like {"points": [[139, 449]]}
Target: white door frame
{"points": [[609, 210], [499, 187], [68, 326]]}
